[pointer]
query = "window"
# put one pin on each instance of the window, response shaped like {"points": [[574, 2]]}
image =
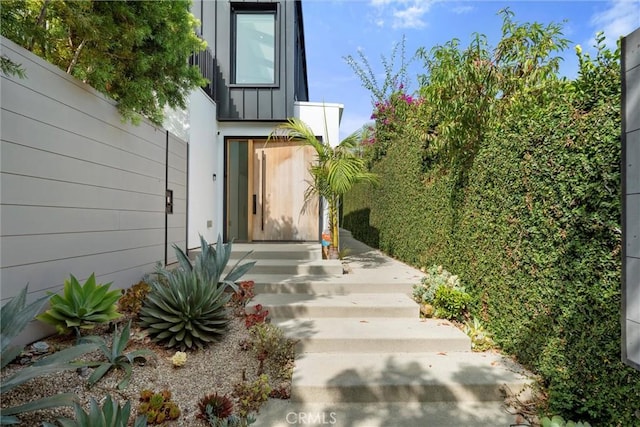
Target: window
{"points": [[254, 47]]}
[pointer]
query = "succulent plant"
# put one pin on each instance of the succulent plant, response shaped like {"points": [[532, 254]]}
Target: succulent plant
{"points": [[109, 415], [116, 357], [186, 307], [211, 262], [185, 312], [219, 406], [14, 316], [157, 406], [81, 306]]}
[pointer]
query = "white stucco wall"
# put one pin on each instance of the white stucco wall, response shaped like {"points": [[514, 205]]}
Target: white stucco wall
{"points": [[205, 157], [314, 115]]}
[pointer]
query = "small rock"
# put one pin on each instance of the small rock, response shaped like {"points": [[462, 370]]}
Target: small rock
{"points": [[40, 347], [83, 371]]}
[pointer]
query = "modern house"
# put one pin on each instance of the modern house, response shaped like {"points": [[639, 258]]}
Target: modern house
{"points": [[240, 186], [83, 192]]}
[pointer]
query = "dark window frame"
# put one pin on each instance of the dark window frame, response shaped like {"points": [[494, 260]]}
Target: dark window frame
{"points": [[258, 9]]}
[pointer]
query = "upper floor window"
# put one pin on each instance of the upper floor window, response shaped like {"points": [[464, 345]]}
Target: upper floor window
{"points": [[254, 53]]}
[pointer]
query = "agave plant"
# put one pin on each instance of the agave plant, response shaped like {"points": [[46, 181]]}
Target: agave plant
{"points": [[211, 262], [116, 357], [186, 306], [111, 414], [81, 306], [14, 316], [185, 312]]}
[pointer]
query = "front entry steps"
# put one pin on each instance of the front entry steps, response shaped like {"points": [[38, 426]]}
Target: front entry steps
{"points": [[366, 359]]}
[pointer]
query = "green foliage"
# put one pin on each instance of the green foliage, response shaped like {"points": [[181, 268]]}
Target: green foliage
{"points": [[470, 88], [10, 68], [393, 78], [15, 315], [132, 298], [134, 52], [111, 414], [530, 219], [185, 312], [337, 169], [480, 338], [273, 349], [558, 421], [450, 303], [116, 356], [210, 263], [251, 396], [81, 306], [158, 407], [186, 307], [436, 276]]}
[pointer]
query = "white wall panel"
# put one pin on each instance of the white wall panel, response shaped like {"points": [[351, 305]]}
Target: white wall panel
{"points": [[205, 153]]}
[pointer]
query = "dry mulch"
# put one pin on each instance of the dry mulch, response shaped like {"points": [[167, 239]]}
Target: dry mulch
{"points": [[215, 369]]}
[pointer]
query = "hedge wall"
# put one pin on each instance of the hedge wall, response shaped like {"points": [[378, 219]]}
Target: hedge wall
{"points": [[532, 228]]}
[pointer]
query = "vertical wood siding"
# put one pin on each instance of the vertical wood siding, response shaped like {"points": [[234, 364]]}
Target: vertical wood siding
{"points": [[81, 192]]}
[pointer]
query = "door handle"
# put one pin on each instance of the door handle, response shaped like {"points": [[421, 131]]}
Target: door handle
{"points": [[264, 184], [255, 203]]}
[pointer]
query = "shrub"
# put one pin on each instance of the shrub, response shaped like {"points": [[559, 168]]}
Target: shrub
{"points": [[81, 306], [531, 223], [251, 396], [436, 276], [111, 414], [273, 349], [450, 303]]}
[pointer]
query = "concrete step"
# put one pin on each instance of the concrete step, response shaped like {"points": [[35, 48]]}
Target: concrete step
{"points": [[405, 377], [322, 268], [373, 335], [286, 306], [285, 413], [313, 285], [304, 251]]}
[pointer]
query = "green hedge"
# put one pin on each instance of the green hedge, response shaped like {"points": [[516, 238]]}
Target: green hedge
{"points": [[532, 228]]}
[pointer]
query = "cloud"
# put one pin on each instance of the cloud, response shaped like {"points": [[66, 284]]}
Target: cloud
{"points": [[619, 19], [459, 10], [404, 14]]}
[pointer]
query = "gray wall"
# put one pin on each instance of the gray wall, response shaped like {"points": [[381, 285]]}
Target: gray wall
{"points": [[236, 102], [80, 191], [631, 198]]}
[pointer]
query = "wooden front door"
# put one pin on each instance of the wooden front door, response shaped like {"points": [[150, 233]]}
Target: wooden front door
{"points": [[272, 207]]}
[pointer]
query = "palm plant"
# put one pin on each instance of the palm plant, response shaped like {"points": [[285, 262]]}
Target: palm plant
{"points": [[336, 171]]}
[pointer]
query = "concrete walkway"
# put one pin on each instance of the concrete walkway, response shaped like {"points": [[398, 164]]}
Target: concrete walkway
{"points": [[365, 358]]}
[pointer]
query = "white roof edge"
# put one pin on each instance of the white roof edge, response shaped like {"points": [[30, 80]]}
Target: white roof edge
{"points": [[320, 104]]}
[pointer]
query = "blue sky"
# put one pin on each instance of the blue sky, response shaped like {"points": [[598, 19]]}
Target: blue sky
{"points": [[337, 28]]}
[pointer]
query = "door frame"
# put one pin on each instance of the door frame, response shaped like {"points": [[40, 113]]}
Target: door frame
{"points": [[252, 143]]}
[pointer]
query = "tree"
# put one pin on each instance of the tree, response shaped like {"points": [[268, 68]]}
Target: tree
{"points": [[135, 52], [337, 170]]}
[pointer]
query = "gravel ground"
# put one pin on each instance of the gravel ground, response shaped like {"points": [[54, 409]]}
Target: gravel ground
{"points": [[214, 369]]}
